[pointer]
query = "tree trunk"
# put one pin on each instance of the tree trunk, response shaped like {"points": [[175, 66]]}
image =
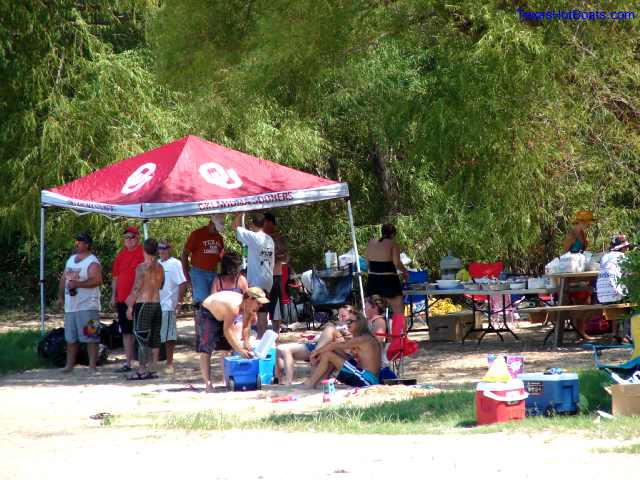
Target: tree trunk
{"points": [[380, 162]]}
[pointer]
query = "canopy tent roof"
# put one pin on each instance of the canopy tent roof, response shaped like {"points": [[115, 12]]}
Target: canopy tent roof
{"points": [[191, 176]]}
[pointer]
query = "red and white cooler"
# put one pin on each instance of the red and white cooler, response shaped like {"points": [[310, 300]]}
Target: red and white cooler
{"points": [[500, 402]]}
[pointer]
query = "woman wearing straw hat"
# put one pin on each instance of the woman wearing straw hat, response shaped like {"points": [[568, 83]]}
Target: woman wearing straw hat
{"points": [[576, 242], [576, 239]]}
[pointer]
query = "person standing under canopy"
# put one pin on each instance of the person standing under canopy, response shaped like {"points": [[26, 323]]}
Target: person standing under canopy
{"points": [[260, 260], [200, 258]]}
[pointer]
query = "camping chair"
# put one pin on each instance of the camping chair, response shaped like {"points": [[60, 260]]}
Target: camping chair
{"points": [[628, 368], [330, 290], [480, 270], [300, 299], [417, 303]]}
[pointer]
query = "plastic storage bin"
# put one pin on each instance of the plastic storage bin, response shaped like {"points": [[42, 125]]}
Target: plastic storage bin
{"points": [[249, 373], [500, 402], [551, 393]]}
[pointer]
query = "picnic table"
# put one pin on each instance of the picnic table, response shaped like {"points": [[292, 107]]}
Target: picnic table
{"points": [[430, 290], [563, 308]]}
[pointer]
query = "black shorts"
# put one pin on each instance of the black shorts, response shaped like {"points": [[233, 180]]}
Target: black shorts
{"points": [[387, 286], [275, 295], [126, 325], [148, 320], [210, 333]]}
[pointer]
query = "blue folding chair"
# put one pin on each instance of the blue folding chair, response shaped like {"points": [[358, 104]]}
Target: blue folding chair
{"points": [[417, 303], [330, 290]]}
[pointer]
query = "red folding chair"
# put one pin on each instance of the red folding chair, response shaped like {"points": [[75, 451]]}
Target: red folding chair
{"points": [[480, 270]]}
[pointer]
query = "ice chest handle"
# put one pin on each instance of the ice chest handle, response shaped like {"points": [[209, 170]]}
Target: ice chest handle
{"points": [[240, 364], [506, 398]]}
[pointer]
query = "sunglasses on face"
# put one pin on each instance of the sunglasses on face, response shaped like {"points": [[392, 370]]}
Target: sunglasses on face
{"points": [[163, 247], [129, 237]]}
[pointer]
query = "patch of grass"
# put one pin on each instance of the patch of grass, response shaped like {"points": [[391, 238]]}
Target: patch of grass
{"points": [[632, 449], [440, 413], [18, 351], [433, 414], [592, 394], [207, 420]]}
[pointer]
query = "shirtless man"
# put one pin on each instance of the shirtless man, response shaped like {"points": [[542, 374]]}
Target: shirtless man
{"points": [[218, 322], [143, 307], [288, 353], [362, 369]]}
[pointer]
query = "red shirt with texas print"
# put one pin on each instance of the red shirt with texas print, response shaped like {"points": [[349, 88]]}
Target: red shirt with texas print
{"points": [[205, 248]]}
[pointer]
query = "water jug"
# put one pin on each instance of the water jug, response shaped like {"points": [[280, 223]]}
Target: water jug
{"points": [[266, 343], [449, 266]]}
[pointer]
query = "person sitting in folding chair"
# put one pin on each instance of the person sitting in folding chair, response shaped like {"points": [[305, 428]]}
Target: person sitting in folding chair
{"points": [[375, 309], [289, 353], [361, 369]]}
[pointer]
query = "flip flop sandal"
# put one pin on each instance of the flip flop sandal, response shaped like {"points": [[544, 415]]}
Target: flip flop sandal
{"points": [[100, 416], [123, 369], [142, 376]]}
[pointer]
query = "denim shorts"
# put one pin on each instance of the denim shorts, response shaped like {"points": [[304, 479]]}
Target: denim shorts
{"points": [[201, 282]]}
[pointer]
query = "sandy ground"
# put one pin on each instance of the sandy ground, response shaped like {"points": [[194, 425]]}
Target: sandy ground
{"points": [[45, 424]]}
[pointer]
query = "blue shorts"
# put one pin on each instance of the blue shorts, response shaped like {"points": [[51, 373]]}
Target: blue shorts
{"points": [[351, 374], [311, 346], [201, 282]]}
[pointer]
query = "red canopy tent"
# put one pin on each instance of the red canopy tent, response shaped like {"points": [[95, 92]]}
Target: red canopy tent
{"points": [[190, 176]]}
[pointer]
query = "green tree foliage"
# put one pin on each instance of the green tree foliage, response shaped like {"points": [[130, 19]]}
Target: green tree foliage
{"points": [[77, 94], [471, 129]]}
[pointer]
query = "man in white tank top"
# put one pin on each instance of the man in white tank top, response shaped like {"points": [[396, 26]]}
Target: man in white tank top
{"points": [[79, 292]]}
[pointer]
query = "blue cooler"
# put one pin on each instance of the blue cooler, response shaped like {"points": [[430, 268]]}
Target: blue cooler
{"points": [[550, 394], [249, 373]]}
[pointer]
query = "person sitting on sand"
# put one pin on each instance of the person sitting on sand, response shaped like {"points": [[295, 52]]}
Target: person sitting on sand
{"points": [[361, 369], [288, 353]]}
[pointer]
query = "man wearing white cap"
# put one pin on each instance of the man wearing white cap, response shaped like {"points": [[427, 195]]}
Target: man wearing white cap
{"points": [[610, 290], [608, 286]]}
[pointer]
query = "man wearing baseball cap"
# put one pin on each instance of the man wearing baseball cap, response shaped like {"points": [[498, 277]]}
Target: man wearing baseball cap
{"points": [[79, 292], [123, 277], [171, 295], [609, 288], [224, 323]]}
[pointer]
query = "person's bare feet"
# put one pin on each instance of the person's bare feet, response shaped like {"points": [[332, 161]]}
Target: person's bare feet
{"points": [[209, 388], [307, 386], [67, 370]]}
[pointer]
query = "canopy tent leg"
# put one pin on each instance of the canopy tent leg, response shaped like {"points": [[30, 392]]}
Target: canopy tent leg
{"points": [[42, 250], [145, 228], [355, 250]]}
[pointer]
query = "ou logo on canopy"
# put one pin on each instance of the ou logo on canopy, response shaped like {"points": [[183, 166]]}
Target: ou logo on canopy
{"points": [[137, 179], [215, 174]]}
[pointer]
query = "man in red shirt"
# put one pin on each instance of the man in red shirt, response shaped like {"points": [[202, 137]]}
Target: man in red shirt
{"points": [[204, 246], [123, 277]]}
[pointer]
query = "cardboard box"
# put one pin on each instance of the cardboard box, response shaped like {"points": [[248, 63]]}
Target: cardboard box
{"points": [[452, 327], [625, 399]]}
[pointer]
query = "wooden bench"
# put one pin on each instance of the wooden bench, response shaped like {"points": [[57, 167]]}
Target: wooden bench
{"points": [[578, 308]]}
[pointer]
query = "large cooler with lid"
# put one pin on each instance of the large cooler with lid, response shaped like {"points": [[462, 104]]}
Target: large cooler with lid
{"points": [[249, 373], [551, 393], [500, 402]]}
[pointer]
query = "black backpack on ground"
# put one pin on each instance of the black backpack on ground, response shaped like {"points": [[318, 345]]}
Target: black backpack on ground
{"points": [[110, 335], [53, 348]]}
